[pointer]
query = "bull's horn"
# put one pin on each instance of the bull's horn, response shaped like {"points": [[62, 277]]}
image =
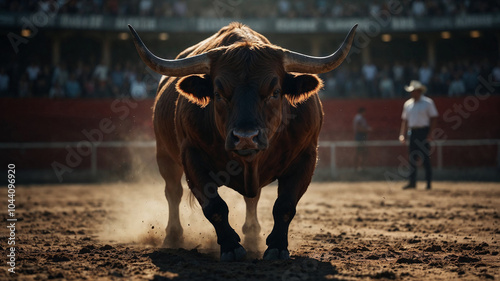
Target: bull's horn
{"points": [[296, 62], [199, 64]]}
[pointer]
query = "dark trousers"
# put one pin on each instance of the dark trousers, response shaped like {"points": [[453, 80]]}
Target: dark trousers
{"points": [[420, 149]]}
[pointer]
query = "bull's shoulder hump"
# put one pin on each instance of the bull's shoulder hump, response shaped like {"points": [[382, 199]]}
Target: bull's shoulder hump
{"points": [[226, 36]]}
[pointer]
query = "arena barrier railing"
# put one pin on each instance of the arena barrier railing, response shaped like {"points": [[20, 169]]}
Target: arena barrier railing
{"points": [[94, 147], [333, 145]]}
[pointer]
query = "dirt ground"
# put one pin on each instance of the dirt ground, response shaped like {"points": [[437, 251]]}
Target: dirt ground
{"points": [[342, 231]]}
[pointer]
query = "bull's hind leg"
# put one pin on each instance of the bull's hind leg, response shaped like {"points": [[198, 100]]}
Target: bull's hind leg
{"points": [[251, 226], [171, 173], [214, 208]]}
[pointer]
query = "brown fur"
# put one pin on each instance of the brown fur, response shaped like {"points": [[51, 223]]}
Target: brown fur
{"points": [[195, 125], [191, 127]]}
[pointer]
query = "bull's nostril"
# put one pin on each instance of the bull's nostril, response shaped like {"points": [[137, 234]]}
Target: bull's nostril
{"points": [[234, 137]]}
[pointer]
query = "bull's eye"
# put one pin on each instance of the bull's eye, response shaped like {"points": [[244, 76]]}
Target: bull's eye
{"points": [[276, 94], [217, 96]]}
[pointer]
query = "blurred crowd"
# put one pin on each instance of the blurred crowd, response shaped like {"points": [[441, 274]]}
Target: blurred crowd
{"points": [[454, 78], [85, 80], [98, 80], [82, 80], [253, 9]]}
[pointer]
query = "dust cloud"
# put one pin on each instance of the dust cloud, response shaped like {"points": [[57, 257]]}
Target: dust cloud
{"points": [[138, 214]]}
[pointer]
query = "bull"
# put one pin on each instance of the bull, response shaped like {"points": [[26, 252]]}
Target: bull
{"points": [[238, 111]]}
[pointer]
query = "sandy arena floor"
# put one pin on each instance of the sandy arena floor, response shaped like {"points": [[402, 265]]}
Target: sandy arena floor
{"points": [[342, 231]]}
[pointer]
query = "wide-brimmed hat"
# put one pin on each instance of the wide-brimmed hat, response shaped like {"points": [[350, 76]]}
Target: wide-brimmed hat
{"points": [[415, 85]]}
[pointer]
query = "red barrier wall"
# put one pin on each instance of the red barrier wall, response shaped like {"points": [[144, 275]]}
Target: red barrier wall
{"points": [[44, 120], [460, 118]]}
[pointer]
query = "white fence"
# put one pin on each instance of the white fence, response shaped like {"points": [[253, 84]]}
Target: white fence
{"points": [[333, 145], [94, 147]]}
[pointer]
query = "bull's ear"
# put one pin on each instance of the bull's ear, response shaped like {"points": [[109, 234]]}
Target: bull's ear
{"points": [[298, 88], [197, 89]]}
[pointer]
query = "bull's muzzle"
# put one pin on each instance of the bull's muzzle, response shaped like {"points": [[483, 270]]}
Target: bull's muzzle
{"points": [[245, 142], [245, 139]]}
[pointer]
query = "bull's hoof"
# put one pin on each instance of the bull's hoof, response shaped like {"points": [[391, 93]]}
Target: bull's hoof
{"points": [[174, 237], [172, 243], [173, 240], [276, 254], [237, 254]]}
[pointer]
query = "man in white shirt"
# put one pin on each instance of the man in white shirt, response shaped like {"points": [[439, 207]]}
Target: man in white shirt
{"points": [[419, 117]]}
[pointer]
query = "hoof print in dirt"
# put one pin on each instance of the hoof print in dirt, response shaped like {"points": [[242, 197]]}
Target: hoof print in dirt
{"points": [[237, 254], [276, 254]]}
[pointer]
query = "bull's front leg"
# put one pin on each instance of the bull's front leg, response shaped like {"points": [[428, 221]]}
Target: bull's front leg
{"points": [[291, 187], [214, 208]]}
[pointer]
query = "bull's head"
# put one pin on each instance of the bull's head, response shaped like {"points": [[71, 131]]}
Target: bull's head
{"points": [[248, 84]]}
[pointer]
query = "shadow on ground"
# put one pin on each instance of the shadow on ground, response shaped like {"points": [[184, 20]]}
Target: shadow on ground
{"points": [[182, 264]]}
